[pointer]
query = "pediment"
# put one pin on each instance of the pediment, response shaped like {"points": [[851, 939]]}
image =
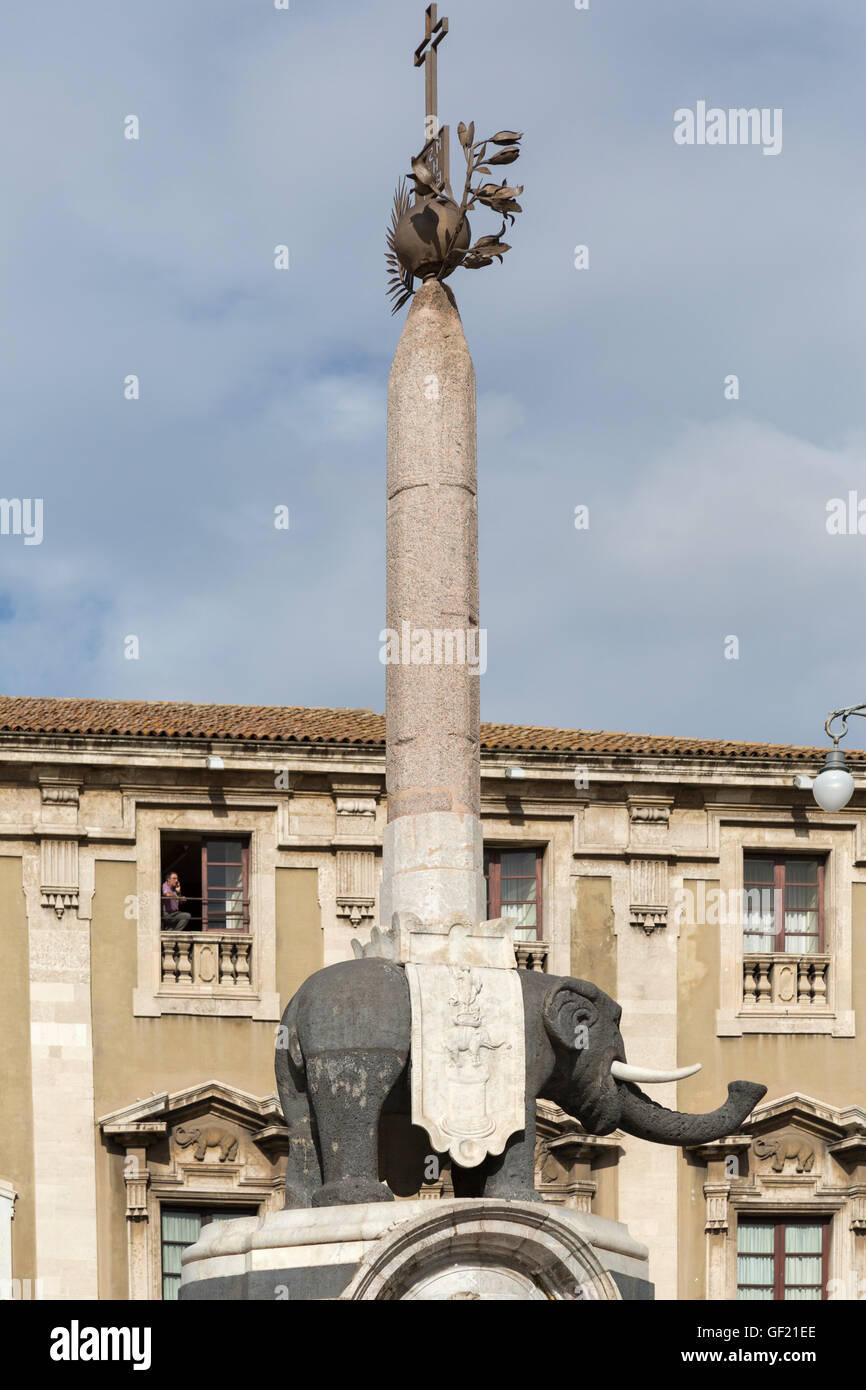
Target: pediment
{"points": [[813, 1118], [144, 1122], [558, 1131]]}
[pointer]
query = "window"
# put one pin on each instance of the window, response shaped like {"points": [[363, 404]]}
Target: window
{"points": [[214, 880], [514, 889], [224, 872], [779, 1260], [182, 1226], [783, 904]]}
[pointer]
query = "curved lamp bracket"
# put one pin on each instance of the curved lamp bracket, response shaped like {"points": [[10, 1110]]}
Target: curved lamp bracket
{"points": [[844, 715]]}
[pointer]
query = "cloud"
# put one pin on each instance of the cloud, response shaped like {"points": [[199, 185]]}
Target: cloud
{"points": [[602, 387]]}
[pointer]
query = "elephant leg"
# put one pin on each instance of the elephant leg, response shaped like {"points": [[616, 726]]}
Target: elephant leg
{"points": [[512, 1173], [347, 1090], [201, 1150], [303, 1169]]}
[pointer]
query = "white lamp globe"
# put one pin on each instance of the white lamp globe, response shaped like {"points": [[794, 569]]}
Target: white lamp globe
{"points": [[834, 785]]}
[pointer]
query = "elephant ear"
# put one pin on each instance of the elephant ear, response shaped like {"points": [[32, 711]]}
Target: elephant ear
{"points": [[569, 1007]]}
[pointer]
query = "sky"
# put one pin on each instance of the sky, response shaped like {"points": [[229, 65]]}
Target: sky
{"points": [[601, 387]]}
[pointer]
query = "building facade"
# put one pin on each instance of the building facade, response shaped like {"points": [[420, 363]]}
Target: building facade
{"points": [[720, 906]]}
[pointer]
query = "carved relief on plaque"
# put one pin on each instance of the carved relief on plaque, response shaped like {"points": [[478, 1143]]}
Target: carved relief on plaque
{"points": [[466, 1072], [788, 1152], [468, 1058], [207, 1138]]}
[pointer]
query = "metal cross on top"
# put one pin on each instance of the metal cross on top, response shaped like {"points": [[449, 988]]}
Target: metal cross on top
{"points": [[436, 137]]}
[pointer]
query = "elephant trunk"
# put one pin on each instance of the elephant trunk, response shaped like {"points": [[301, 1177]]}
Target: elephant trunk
{"points": [[648, 1120]]}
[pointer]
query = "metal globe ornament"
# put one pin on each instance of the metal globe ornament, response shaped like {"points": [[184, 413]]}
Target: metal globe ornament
{"points": [[424, 238]]}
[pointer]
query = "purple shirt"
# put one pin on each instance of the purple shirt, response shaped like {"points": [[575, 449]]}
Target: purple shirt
{"points": [[169, 897]]}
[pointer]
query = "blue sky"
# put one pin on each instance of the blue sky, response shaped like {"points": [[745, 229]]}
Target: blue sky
{"points": [[601, 387]]}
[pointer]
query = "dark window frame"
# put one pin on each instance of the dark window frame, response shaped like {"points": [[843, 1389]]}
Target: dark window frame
{"points": [[779, 886], [205, 837], [210, 1210], [493, 881], [779, 1223]]}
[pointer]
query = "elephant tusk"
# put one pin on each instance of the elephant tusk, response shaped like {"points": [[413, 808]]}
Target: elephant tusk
{"points": [[623, 1071]]}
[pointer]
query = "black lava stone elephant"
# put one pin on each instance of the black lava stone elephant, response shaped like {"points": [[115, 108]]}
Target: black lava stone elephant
{"points": [[342, 1058]]}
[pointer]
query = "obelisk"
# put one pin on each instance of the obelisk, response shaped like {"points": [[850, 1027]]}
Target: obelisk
{"points": [[467, 1044], [433, 866], [433, 854]]}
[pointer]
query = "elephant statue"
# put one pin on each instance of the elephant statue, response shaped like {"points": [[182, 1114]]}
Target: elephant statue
{"points": [[782, 1149], [205, 1139], [342, 1059]]}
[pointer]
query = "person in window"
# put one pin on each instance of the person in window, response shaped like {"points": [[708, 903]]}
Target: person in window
{"points": [[171, 900]]}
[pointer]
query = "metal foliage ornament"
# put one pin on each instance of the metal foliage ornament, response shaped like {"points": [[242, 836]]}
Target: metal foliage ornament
{"points": [[500, 198], [430, 238]]}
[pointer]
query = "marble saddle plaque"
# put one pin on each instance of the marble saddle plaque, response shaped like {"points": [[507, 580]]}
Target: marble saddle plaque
{"points": [[468, 1058]]}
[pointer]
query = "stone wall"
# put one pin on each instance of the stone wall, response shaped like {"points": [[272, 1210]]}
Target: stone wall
{"points": [[79, 841], [16, 1096]]}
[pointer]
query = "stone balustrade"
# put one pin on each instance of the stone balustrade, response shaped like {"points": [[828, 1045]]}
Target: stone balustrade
{"points": [[789, 981], [215, 960], [531, 955]]}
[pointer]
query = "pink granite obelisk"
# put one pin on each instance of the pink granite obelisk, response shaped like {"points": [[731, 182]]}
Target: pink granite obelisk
{"points": [[433, 854]]}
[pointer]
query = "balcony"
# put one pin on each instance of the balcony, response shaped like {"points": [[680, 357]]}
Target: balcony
{"points": [[223, 910], [217, 960], [531, 955], [785, 983]]}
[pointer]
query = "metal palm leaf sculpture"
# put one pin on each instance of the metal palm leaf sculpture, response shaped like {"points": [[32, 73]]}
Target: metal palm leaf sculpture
{"points": [[401, 282]]}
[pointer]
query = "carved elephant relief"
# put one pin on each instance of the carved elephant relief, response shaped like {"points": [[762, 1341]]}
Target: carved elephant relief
{"points": [[791, 1147], [548, 1169], [206, 1138]]}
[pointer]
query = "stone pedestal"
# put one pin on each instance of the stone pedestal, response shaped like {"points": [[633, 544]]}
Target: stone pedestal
{"points": [[483, 1249]]}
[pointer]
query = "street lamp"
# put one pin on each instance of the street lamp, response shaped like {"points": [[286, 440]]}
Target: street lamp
{"points": [[834, 785]]}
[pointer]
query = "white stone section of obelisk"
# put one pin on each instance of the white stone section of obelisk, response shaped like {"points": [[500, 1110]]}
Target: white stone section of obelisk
{"points": [[433, 859], [457, 941], [430, 867], [468, 1058]]}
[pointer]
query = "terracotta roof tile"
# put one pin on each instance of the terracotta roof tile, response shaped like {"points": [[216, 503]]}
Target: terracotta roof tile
{"points": [[297, 724]]}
